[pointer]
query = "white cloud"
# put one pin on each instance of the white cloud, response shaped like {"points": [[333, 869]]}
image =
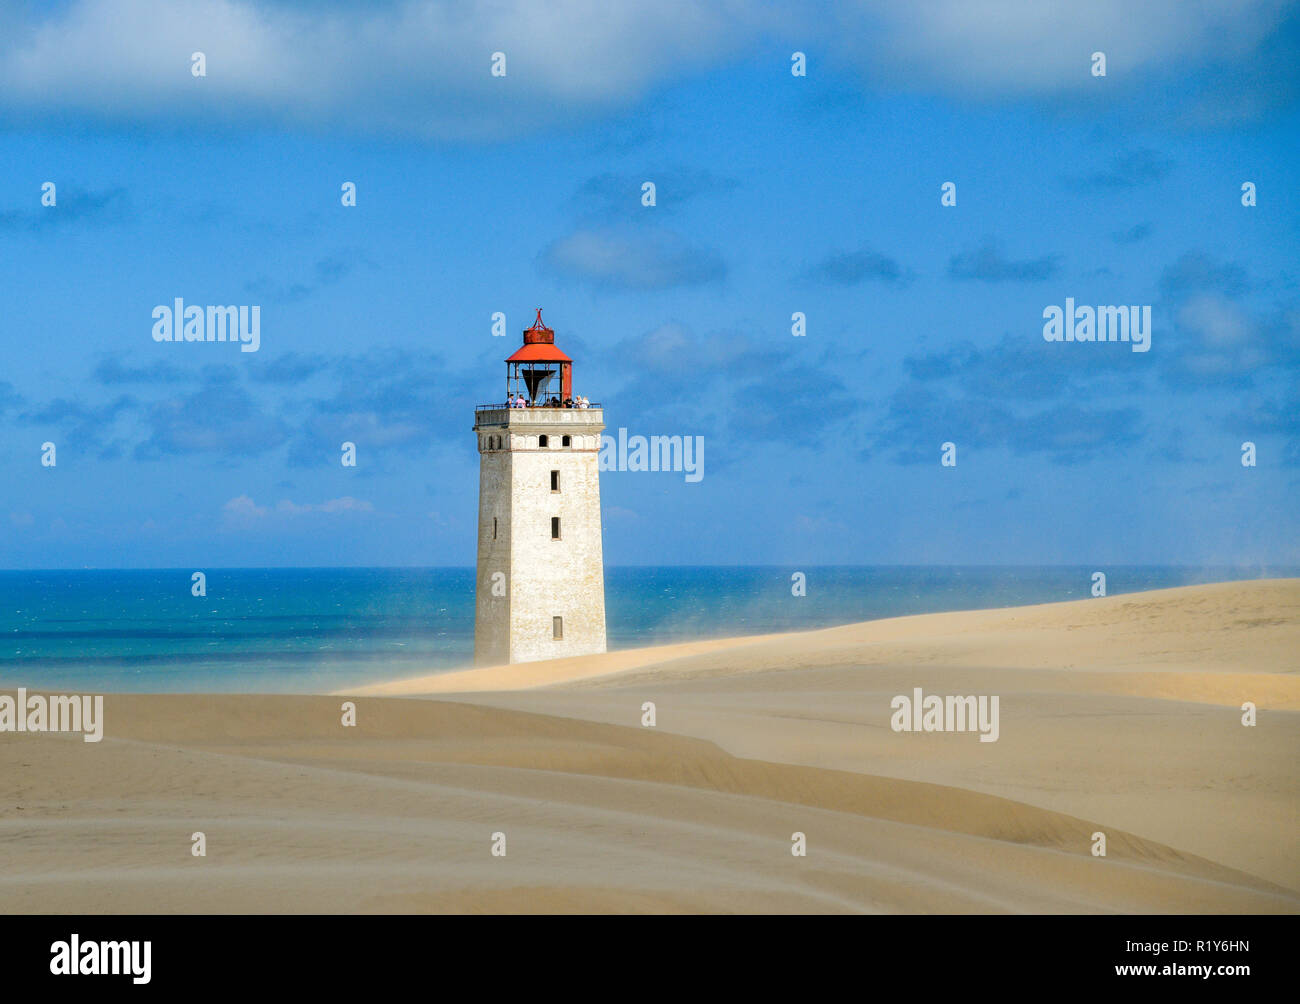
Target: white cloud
{"points": [[243, 509], [1218, 320], [345, 504], [632, 258], [1036, 47], [421, 67], [332, 506]]}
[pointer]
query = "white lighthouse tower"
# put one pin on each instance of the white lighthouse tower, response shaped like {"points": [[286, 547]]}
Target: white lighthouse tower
{"points": [[541, 577]]}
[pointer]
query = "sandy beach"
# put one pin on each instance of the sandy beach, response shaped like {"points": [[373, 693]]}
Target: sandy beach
{"points": [[1119, 715]]}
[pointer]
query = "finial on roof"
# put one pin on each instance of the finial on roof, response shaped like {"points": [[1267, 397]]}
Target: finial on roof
{"points": [[539, 332]]}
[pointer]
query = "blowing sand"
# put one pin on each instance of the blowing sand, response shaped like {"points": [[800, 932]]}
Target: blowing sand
{"points": [[1119, 715]]}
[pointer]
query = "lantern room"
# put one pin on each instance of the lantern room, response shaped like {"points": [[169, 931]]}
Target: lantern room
{"points": [[539, 372]]}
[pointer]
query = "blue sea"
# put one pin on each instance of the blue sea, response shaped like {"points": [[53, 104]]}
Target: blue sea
{"points": [[310, 630]]}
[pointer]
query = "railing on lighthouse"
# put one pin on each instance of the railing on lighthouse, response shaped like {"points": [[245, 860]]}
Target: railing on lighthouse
{"points": [[506, 406]]}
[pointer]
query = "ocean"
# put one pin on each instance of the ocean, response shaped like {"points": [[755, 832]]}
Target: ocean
{"points": [[313, 630]]}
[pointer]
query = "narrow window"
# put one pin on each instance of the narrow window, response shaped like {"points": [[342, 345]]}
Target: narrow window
{"points": [[543, 440], [494, 528], [557, 628], [555, 528], [555, 481], [566, 441]]}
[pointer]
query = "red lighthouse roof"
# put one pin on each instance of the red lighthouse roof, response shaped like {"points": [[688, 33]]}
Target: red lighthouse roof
{"points": [[538, 354]]}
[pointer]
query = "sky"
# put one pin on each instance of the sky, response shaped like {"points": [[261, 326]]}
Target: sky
{"points": [[775, 194]]}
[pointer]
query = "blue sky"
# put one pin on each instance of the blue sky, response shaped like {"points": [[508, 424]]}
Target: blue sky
{"points": [[775, 194]]}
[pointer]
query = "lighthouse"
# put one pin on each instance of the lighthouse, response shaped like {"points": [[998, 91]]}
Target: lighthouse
{"points": [[541, 578]]}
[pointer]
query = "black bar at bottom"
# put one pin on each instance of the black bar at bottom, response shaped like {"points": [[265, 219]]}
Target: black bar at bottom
{"points": [[334, 953]]}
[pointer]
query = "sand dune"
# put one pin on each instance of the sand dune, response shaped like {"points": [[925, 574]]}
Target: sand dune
{"points": [[1118, 715], [1220, 640]]}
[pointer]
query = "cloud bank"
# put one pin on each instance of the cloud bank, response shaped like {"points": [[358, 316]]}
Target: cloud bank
{"points": [[422, 67]]}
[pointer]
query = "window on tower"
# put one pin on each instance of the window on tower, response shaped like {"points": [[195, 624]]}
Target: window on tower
{"points": [[555, 481], [566, 441], [494, 528], [543, 441], [557, 628], [555, 528]]}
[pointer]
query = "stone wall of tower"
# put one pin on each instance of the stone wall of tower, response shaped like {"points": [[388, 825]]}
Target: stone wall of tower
{"points": [[546, 578], [491, 611]]}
